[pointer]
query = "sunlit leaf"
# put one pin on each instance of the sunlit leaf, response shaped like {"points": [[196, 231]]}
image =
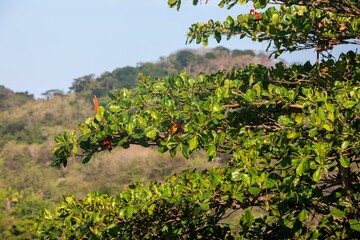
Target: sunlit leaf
{"points": [[317, 175], [303, 215]]}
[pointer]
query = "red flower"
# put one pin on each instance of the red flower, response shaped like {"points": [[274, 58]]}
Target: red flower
{"points": [[96, 104], [257, 15]]}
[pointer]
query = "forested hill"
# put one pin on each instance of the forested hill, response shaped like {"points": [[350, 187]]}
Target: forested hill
{"points": [[187, 60], [27, 128]]}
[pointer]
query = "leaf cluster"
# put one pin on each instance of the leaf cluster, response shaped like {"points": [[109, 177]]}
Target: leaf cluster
{"points": [[185, 206], [291, 133], [295, 25]]}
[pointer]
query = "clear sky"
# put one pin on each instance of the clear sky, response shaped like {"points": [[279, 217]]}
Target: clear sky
{"points": [[45, 44]]}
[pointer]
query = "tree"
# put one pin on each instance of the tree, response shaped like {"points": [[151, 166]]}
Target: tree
{"points": [[81, 84], [53, 92], [292, 133]]}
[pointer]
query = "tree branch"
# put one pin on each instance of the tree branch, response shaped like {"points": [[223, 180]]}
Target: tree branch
{"points": [[263, 103]]}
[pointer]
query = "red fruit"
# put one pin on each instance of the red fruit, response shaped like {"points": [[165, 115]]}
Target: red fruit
{"points": [[107, 143]]}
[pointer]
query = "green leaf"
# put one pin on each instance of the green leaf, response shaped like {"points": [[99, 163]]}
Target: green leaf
{"points": [[338, 213], [151, 133], [55, 163], [129, 210], [236, 176], [172, 152], [215, 181], [248, 219], [300, 169], [328, 127], [193, 143], [317, 175], [86, 158], [344, 145], [47, 214], [159, 86], [275, 18], [330, 107], [211, 152], [200, 78], [130, 128], [100, 114], [321, 114], [57, 149], [313, 132], [344, 161], [185, 151], [315, 234], [151, 208], [115, 108], [218, 92], [349, 104], [355, 225], [58, 138], [246, 178], [216, 107], [254, 190], [285, 120], [251, 79], [74, 149], [303, 215], [291, 134], [299, 119], [204, 206], [191, 82], [230, 21]]}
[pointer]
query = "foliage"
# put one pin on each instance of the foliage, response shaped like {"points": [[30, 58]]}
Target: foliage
{"points": [[296, 25], [292, 133], [167, 210]]}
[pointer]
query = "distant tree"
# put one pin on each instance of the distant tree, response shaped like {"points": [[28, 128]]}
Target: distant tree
{"points": [[152, 69], [238, 52], [183, 58], [53, 92], [210, 55], [107, 80], [126, 77], [81, 84], [222, 49]]}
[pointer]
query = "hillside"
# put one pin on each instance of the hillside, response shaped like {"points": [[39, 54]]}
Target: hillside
{"points": [[27, 184]]}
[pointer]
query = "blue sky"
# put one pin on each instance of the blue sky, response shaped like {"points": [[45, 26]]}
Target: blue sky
{"points": [[45, 44]]}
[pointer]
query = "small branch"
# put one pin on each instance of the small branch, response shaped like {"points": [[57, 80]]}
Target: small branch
{"points": [[263, 103], [263, 126], [232, 105], [297, 82], [227, 216], [239, 93]]}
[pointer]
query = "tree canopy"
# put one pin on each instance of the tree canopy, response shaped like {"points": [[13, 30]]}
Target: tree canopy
{"points": [[291, 134]]}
